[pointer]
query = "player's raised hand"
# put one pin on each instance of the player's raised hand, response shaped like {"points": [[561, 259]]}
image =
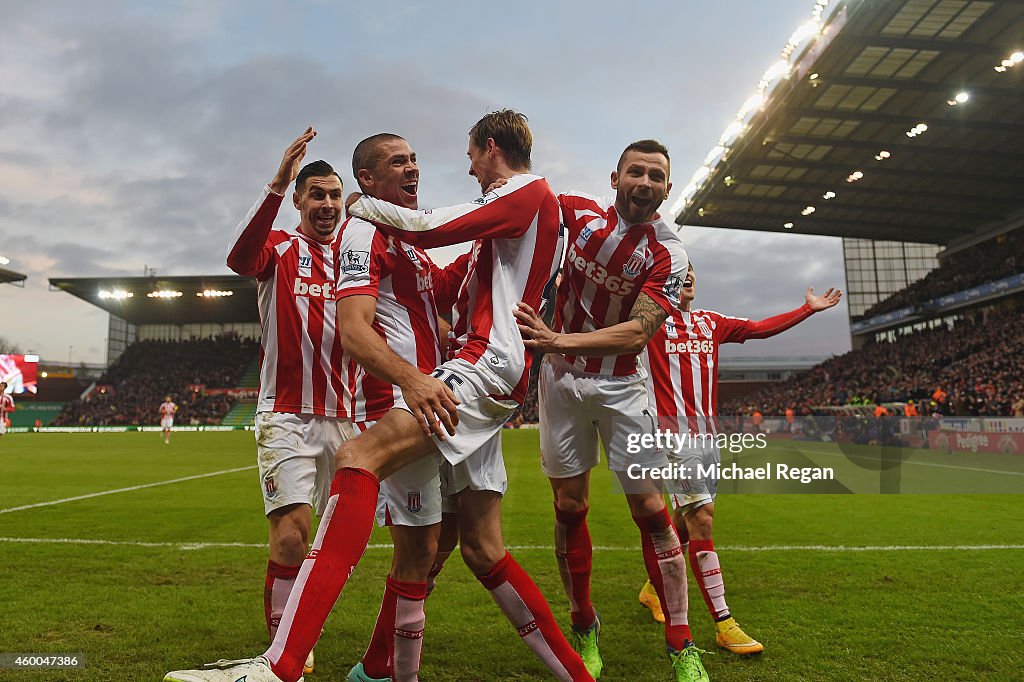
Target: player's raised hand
{"points": [[433, 404], [536, 334], [824, 302], [290, 164]]}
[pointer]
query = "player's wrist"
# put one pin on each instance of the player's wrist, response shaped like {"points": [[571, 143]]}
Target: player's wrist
{"points": [[277, 188]]}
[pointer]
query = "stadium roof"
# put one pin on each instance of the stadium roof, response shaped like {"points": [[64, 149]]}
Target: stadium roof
{"points": [[168, 300], [902, 120], [12, 277]]}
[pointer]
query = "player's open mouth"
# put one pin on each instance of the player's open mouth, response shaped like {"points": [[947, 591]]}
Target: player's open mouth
{"points": [[687, 283], [325, 219], [640, 202], [409, 189]]}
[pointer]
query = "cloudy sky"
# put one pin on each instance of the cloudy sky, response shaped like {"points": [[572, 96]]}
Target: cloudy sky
{"points": [[137, 134]]}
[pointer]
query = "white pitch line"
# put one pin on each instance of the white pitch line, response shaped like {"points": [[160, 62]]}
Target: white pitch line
{"points": [[546, 548], [124, 490]]}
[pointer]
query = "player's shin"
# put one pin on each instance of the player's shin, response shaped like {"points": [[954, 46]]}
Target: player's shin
{"points": [[340, 542], [708, 572], [574, 553], [665, 561], [276, 588], [525, 607]]}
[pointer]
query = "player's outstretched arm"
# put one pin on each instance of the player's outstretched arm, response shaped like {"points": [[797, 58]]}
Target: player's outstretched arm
{"points": [[630, 336], [738, 330], [248, 253], [429, 400], [504, 213]]}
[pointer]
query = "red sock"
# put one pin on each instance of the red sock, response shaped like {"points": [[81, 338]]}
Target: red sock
{"points": [[276, 588], [377, 659], [525, 607], [340, 542], [666, 567], [708, 572], [574, 553]]}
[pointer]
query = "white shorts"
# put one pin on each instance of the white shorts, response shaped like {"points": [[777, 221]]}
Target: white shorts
{"points": [[295, 453], [166, 422], [412, 495], [481, 416], [576, 408], [483, 470], [689, 494], [3, 426]]}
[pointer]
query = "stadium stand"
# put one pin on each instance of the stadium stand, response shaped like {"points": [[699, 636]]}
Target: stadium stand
{"points": [[989, 261], [976, 362], [135, 385]]}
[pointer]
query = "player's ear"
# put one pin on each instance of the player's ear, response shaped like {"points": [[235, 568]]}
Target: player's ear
{"points": [[615, 179], [295, 200], [668, 190], [364, 178]]}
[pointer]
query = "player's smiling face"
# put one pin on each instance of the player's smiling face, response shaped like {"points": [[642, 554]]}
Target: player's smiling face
{"points": [[320, 206], [396, 177], [641, 185], [481, 166], [689, 290]]}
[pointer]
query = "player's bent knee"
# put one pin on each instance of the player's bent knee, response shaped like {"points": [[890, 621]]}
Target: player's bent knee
{"points": [[645, 504]]}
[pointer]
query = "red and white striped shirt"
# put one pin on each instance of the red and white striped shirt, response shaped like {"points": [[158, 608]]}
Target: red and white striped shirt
{"points": [[401, 278], [682, 362], [608, 264], [516, 252], [300, 354], [167, 409], [6, 405]]}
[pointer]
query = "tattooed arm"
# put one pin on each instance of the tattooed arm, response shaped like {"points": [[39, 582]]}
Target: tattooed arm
{"points": [[630, 336]]}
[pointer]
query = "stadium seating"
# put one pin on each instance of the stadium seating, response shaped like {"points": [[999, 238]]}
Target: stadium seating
{"points": [[149, 370], [989, 261], [979, 365]]}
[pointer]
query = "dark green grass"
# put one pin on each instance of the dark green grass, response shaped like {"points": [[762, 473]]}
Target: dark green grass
{"points": [[137, 611]]}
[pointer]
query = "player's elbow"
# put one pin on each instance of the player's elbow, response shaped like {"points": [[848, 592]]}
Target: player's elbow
{"points": [[636, 340]]}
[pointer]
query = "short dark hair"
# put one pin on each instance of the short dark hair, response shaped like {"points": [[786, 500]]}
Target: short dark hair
{"points": [[510, 130], [317, 169], [646, 147], [365, 155]]}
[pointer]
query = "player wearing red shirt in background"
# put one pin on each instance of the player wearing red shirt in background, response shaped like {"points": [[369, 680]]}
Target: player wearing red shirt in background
{"points": [[167, 410], [682, 361], [6, 406], [623, 271], [515, 235], [300, 418]]}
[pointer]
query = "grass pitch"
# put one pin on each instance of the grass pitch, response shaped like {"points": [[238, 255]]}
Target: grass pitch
{"points": [[153, 578]]}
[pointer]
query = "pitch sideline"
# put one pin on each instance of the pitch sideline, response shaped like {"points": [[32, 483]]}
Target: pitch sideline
{"points": [[188, 546], [125, 490]]}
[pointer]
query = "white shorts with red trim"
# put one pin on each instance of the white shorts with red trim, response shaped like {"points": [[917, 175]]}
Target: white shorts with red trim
{"points": [[483, 470], [482, 413], [295, 453], [412, 495], [576, 409]]}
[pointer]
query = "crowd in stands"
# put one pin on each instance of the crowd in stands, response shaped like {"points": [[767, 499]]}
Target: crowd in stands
{"points": [[975, 368], [130, 392], [987, 262]]}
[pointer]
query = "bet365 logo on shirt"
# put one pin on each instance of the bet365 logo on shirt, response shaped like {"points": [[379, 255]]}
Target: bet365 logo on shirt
{"points": [[690, 346], [315, 290]]}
